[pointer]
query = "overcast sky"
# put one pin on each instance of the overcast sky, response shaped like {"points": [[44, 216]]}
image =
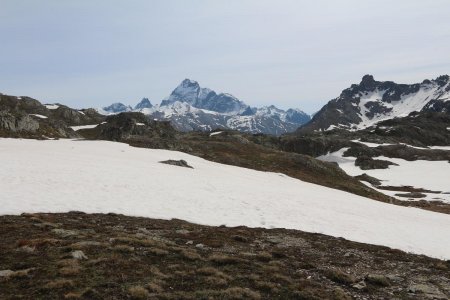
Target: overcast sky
{"points": [[287, 53]]}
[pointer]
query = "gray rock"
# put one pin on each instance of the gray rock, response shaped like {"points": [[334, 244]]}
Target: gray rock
{"points": [[200, 246], [64, 232], [182, 231], [6, 273], [18, 273], [180, 163], [18, 123], [427, 290], [360, 285], [377, 279], [78, 254], [27, 249]]}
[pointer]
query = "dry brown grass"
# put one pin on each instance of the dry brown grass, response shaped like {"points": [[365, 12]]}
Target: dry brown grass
{"points": [[264, 256], [59, 284], [138, 292], [157, 251], [123, 248], [240, 293], [221, 259], [155, 271], [73, 295], [37, 243], [154, 287], [70, 270], [190, 254], [215, 281], [338, 276]]}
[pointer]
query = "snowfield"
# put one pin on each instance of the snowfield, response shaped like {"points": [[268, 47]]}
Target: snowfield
{"points": [[101, 177], [430, 175]]}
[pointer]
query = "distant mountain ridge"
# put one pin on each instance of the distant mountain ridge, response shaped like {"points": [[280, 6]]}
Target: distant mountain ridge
{"points": [[191, 107], [369, 102]]}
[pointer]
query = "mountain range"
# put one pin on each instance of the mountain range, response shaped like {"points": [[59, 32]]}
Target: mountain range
{"points": [[370, 102], [191, 107]]}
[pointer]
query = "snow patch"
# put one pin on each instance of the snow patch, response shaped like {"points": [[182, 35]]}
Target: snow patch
{"points": [[407, 173], [51, 106], [76, 128], [215, 133], [39, 116]]}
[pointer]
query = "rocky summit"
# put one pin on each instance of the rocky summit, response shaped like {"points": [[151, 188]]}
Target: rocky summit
{"points": [[369, 102], [191, 107]]}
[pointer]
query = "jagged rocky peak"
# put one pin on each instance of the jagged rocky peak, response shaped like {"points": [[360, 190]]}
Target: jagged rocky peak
{"points": [[249, 111], [368, 83], [297, 116], [117, 108], [189, 91], [442, 80], [144, 103]]}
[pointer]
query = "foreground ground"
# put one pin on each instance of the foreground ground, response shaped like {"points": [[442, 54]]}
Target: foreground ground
{"points": [[97, 256]]}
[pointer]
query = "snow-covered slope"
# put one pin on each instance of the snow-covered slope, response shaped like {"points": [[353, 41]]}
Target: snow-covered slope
{"points": [[190, 107], [365, 104], [100, 176], [405, 173]]}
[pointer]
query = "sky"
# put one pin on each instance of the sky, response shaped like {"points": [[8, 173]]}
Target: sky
{"points": [[289, 53]]}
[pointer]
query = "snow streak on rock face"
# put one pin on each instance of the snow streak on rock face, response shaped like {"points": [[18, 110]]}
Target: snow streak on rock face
{"points": [[365, 104], [190, 107], [101, 177]]}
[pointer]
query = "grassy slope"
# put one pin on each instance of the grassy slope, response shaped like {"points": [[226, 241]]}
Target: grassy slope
{"points": [[141, 258]]}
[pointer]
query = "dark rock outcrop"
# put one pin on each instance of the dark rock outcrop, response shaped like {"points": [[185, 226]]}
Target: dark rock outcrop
{"points": [[179, 163], [364, 104]]}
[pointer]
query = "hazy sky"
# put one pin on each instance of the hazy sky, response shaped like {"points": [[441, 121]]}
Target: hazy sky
{"points": [[288, 53]]}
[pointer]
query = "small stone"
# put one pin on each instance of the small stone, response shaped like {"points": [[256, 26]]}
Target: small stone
{"points": [[189, 242], [6, 273], [379, 280], [46, 225], [144, 230], [394, 278], [27, 249], [18, 273], [78, 254], [200, 246], [360, 285], [64, 232]]}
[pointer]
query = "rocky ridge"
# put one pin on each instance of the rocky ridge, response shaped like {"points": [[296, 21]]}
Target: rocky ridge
{"points": [[369, 102], [27, 117]]}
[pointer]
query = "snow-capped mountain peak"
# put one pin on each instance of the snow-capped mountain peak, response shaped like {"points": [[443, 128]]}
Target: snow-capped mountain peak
{"points": [[191, 107], [145, 103], [115, 108]]}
